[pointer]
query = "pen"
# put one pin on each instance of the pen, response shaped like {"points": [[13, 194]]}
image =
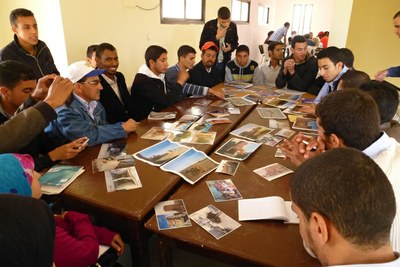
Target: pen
{"points": [[307, 143]]}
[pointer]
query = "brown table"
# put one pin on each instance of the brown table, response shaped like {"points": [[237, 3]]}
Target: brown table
{"points": [[126, 211], [255, 243]]}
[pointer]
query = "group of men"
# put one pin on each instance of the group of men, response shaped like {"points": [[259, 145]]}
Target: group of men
{"points": [[345, 197]]}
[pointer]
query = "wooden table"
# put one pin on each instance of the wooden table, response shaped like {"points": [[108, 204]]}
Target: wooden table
{"points": [[255, 243]]}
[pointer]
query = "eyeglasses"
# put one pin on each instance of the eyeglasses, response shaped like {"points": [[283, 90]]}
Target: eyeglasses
{"points": [[95, 82]]}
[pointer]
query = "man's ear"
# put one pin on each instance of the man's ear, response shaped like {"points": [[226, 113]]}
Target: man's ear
{"points": [[335, 141], [319, 228], [340, 65], [5, 91], [77, 88], [14, 28]]}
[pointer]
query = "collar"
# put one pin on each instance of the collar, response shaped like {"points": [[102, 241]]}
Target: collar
{"points": [[269, 63], [146, 71], [379, 145], [247, 64], [334, 82], [108, 80], [89, 106], [21, 48]]}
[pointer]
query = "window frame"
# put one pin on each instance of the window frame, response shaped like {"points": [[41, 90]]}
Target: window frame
{"points": [[265, 20], [184, 20], [248, 12]]}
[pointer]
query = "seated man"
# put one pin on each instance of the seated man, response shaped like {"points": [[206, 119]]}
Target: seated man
{"points": [[26, 46], [346, 207], [241, 68], [150, 90], [386, 96], [83, 115], [17, 84], [186, 60], [299, 69], [266, 73], [352, 79], [115, 96], [350, 118], [205, 73]]}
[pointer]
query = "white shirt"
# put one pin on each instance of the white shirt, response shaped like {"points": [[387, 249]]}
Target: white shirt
{"points": [[114, 85], [265, 74], [394, 263]]}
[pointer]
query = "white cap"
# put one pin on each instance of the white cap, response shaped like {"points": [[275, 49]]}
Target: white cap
{"points": [[80, 69]]}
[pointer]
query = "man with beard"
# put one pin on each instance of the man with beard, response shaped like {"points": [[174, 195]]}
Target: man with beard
{"points": [[205, 73], [115, 96]]}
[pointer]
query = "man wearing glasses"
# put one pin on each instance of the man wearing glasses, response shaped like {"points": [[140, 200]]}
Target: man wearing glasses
{"points": [[83, 115]]}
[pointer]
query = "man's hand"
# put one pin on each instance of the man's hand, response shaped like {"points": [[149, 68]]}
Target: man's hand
{"points": [[118, 244], [42, 87], [381, 75], [221, 32], [129, 126], [59, 92], [226, 48], [183, 76], [289, 66], [69, 150]]}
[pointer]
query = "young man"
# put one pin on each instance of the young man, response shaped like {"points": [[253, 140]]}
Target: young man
{"points": [[242, 67], [223, 33], [346, 207], [393, 71], [91, 55], [186, 60], [266, 73], [299, 70], [26, 47], [17, 84], [150, 90], [115, 96], [281, 33], [386, 96], [84, 115], [205, 73], [350, 118]]}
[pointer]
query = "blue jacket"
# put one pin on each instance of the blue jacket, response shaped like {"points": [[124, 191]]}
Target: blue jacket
{"points": [[74, 122]]}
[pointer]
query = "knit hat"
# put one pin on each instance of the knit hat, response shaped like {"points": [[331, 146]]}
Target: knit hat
{"points": [[81, 69], [13, 178]]}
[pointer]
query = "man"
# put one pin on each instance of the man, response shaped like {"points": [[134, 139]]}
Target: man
{"points": [[241, 68], [299, 69], [223, 33], [386, 96], [350, 118], [91, 55], [281, 33], [266, 73], [346, 207], [115, 96], [205, 73], [84, 115], [393, 71], [17, 84], [150, 90], [347, 57], [323, 38], [186, 60], [26, 47]]}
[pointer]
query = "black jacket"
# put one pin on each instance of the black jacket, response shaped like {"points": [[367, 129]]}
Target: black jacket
{"points": [[116, 111], [42, 64], [200, 76]]}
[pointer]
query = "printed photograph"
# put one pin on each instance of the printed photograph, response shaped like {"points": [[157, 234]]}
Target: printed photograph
{"points": [[238, 149], [202, 102], [156, 133], [204, 138], [162, 115], [279, 103], [234, 110], [112, 150], [188, 118], [160, 153], [251, 131], [200, 126], [191, 165], [219, 113], [181, 125], [181, 137], [269, 139], [271, 113], [214, 121], [228, 167], [279, 154], [219, 103], [273, 171], [305, 124], [122, 179], [112, 163], [171, 214], [290, 97], [285, 133], [239, 101], [253, 98], [223, 190], [214, 221]]}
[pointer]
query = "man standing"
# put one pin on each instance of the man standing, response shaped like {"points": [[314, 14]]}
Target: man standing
{"points": [[26, 47], [150, 90], [186, 60], [281, 33], [223, 33], [115, 96], [393, 71], [266, 73], [241, 68], [299, 69], [205, 73]]}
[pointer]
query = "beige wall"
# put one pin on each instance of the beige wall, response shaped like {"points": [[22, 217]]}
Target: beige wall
{"points": [[371, 36]]}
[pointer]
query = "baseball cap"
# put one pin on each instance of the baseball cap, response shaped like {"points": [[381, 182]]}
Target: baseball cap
{"points": [[208, 45], [321, 33], [81, 69]]}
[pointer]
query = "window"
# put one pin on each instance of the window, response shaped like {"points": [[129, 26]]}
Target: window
{"points": [[296, 18], [263, 15], [182, 11], [240, 10], [302, 17], [307, 18]]}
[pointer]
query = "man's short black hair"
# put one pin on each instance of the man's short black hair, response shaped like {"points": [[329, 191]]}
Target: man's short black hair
{"points": [[153, 52], [90, 50], [386, 96], [347, 57], [13, 72], [297, 39], [331, 52], [224, 13], [102, 47], [19, 12], [287, 24], [184, 50], [272, 45], [396, 15], [242, 48], [353, 79], [349, 189]]}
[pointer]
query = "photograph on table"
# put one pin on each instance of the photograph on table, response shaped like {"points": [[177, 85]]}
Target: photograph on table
{"points": [[290, 97], [156, 133], [171, 214], [203, 102], [285, 133], [122, 179], [228, 167], [251, 131], [279, 103], [240, 101], [223, 190], [181, 136], [112, 150], [273, 171], [219, 103], [162, 115], [305, 124], [214, 121], [271, 113], [295, 110], [200, 126], [219, 113], [203, 138], [214, 221], [161, 152], [189, 118], [269, 139], [112, 163], [192, 165], [253, 98], [238, 149]]}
